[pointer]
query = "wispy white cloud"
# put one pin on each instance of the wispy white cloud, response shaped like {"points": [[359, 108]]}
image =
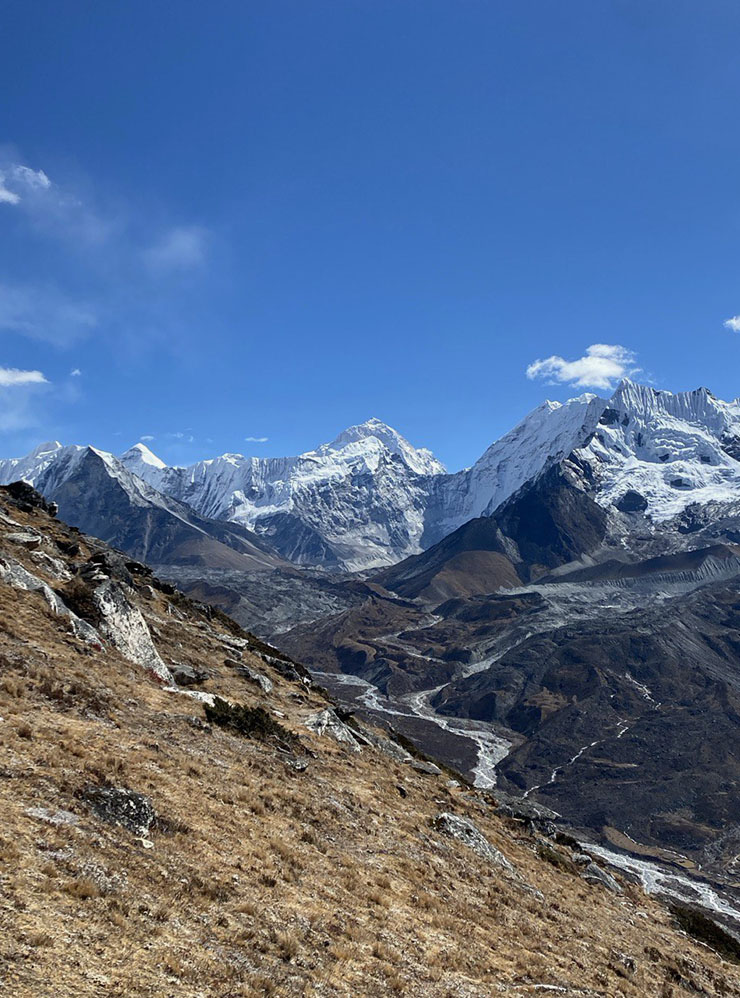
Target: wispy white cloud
{"points": [[256, 440], [182, 248], [6, 196], [733, 323], [146, 438], [602, 366], [16, 180], [104, 261], [44, 313], [19, 398], [75, 373], [11, 376]]}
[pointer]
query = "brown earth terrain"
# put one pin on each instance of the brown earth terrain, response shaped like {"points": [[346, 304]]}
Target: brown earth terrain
{"points": [[148, 850]]}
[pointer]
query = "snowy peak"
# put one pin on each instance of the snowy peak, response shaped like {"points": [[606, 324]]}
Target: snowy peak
{"points": [[47, 449], [698, 406], [658, 452], [139, 457], [373, 432], [370, 498]]}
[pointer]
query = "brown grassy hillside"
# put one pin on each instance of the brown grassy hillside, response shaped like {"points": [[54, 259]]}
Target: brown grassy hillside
{"points": [[274, 866]]}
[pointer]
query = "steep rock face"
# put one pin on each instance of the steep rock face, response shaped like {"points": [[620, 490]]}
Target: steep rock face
{"points": [[547, 435], [94, 491], [547, 524]]}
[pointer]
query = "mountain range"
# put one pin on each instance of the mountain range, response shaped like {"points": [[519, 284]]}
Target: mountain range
{"points": [[369, 498], [561, 620]]}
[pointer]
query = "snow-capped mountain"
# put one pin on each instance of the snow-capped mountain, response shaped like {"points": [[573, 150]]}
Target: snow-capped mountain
{"points": [[657, 452], [369, 498], [548, 434], [355, 503], [94, 491]]}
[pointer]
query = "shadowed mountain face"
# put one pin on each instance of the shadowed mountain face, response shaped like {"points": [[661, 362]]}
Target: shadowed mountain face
{"points": [[630, 722], [100, 497], [548, 524]]}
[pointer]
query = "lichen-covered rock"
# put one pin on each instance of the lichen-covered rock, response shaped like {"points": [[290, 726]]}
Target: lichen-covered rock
{"points": [[465, 831], [125, 627], [595, 874], [425, 767], [24, 539], [258, 678], [121, 806], [188, 675], [388, 746], [326, 722]]}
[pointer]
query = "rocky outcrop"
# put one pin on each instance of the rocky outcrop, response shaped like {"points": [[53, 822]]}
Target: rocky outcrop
{"points": [[465, 831], [14, 574], [121, 806], [124, 625], [327, 723]]}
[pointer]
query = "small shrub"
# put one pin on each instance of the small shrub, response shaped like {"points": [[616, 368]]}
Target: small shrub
{"points": [[287, 944], [252, 722]]}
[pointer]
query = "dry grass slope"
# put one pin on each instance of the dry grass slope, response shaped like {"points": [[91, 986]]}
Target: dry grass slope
{"points": [[259, 877]]}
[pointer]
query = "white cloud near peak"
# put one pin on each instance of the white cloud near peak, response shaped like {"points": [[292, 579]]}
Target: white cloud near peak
{"points": [[256, 440], [733, 323], [146, 438], [602, 365], [12, 376], [75, 373]]}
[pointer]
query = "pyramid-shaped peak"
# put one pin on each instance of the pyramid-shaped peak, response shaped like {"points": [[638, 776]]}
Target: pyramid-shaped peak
{"points": [[140, 454], [418, 459]]}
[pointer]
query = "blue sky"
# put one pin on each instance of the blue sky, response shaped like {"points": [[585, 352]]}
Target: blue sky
{"points": [[272, 220]]}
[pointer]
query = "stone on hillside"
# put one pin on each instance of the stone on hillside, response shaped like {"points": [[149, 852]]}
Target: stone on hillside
{"points": [[124, 625], [388, 746], [188, 675], [326, 722], [252, 676], [595, 874], [465, 831], [428, 768], [26, 498], [24, 539], [121, 806], [14, 574]]}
